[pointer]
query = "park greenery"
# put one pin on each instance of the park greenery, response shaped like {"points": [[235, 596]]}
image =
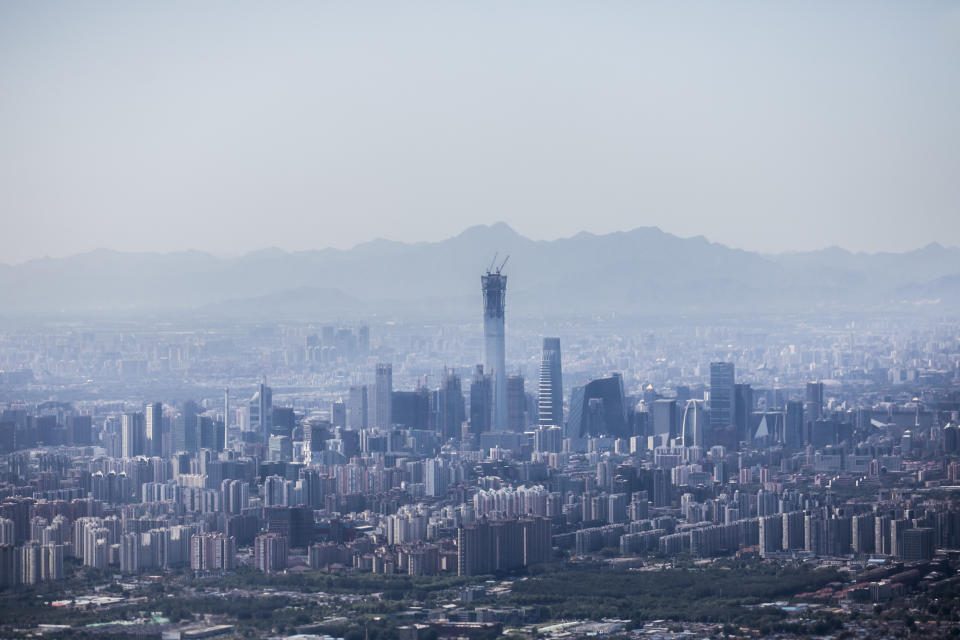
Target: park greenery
{"points": [[367, 605]]}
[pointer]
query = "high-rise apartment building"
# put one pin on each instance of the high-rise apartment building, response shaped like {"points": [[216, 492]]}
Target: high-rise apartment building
{"points": [[270, 552], [132, 434], [502, 545], [154, 430]]}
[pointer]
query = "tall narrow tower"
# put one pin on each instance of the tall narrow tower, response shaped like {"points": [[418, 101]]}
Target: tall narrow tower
{"points": [[550, 390], [494, 286], [383, 400]]}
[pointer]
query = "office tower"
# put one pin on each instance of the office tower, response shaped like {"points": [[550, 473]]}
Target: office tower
{"points": [[516, 403], [481, 401], [863, 533], [338, 413], [694, 423], [357, 410], [154, 430], [280, 448], [410, 409], [494, 286], [550, 390], [284, 421], [226, 411], [742, 410], [814, 405], [918, 544], [383, 397], [132, 435], [451, 408], [261, 412], [599, 409], [189, 426], [79, 432], [793, 425], [664, 417], [722, 389]]}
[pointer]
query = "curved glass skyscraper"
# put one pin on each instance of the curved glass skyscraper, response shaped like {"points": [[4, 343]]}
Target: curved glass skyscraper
{"points": [[694, 423]]}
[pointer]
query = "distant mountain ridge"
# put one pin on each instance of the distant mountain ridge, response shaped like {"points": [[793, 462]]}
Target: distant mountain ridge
{"points": [[642, 270]]}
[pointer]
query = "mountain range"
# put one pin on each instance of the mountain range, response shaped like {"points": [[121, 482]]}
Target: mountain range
{"points": [[641, 271]]}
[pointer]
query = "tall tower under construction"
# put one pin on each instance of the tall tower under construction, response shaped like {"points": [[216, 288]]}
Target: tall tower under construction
{"points": [[494, 285]]}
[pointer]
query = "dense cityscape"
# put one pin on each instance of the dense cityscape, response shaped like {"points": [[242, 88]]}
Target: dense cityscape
{"points": [[655, 477], [479, 320]]}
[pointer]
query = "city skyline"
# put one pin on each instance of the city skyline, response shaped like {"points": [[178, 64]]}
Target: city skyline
{"points": [[256, 392]]}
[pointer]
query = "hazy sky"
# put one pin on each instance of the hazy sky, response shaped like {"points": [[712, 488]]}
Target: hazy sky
{"points": [[235, 126]]}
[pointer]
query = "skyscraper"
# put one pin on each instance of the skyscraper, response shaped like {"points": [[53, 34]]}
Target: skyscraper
{"points": [[190, 426], [721, 401], [261, 411], [357, 407], [481, 401], [599, 409], [132, 434], [494, 286], [383, 400], [694, 423], [154, 430], [338, 413], [742, 410], [516, 403], [226, 409], [793, 428], [814, 404], [550, 391], [451, 409]]}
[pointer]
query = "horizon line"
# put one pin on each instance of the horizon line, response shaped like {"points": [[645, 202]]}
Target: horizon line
{"points": [[499, 223]]}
